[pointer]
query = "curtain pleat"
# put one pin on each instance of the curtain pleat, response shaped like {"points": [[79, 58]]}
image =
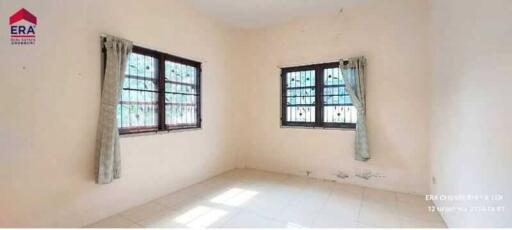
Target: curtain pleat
{"points": [[107, 148], [354, 75]]}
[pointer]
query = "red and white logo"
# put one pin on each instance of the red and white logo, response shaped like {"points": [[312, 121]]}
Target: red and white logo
{"points": [[23, 27]]}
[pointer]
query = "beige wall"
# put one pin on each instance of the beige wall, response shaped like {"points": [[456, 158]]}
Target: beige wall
{"points": [[393, 36], [49, 99], [49, 95], [471, 120]]}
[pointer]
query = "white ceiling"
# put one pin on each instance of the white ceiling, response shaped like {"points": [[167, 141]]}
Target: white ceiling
{"points": [[260, 13]]}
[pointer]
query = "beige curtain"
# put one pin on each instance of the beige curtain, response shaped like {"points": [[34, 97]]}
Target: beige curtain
{"points": [[107, 147], [354, 76]]}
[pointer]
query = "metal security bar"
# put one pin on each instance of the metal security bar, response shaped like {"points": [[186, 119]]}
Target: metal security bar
{"points": [[315, 96], [300, 96], [138, 108], [181, 95], [338, 107], [161, 92]]}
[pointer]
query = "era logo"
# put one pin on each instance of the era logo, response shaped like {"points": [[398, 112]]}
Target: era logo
{"points": [[23, 27]]}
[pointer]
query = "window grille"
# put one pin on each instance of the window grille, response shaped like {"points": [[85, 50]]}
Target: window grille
{"points": [[315, 96], [161, 92]]}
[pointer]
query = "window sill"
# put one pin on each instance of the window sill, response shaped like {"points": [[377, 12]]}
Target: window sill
{"points": [[160, 132], [320, 128]]}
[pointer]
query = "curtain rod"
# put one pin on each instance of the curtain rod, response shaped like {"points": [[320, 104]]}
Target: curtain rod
{"points": [[104, 35], [312, 63]]}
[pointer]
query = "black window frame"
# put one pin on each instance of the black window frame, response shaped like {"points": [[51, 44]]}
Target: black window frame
{"points": [[319, 102], [161, 57]]}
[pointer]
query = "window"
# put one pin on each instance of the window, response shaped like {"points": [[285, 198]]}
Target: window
{"points": [[138, 107], [160, 92], [181, 95], [315, 96]]}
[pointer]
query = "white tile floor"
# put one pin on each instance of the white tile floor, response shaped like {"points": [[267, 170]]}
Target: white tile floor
{"points": [[257, 199]]}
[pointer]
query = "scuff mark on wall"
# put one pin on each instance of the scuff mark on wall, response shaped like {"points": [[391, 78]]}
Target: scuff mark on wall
{"points": [[342, 175], [367, 174]]}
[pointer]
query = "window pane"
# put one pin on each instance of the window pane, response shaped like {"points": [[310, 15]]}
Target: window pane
{"points": [[336, 96], [142, 115], [141, 66], [180, 115], [300, 79], [180, 88], [338, 106], [304, 92], [138, 106], [178, 72], [137, 83], [300, 101], [181, 95], [336, 90], [340, 114], [300, 114], [178, 98], [300, 96], [332, 76]]}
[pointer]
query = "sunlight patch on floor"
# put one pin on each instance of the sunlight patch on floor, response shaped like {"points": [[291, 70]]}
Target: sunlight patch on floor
{"points": [[293, 225], [234, 197], [200, 217]]}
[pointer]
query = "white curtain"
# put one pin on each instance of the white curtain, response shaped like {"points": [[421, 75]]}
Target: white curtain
{"points": [[354, 75], [107, 144]]}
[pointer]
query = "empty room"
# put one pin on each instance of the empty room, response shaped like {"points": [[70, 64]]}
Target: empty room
{"points": [[255, 113]]}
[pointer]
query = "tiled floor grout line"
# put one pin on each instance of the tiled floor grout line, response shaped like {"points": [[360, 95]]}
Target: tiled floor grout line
{"points": [[309, 196], [398, 212], [129, 220], [360, 206]]}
